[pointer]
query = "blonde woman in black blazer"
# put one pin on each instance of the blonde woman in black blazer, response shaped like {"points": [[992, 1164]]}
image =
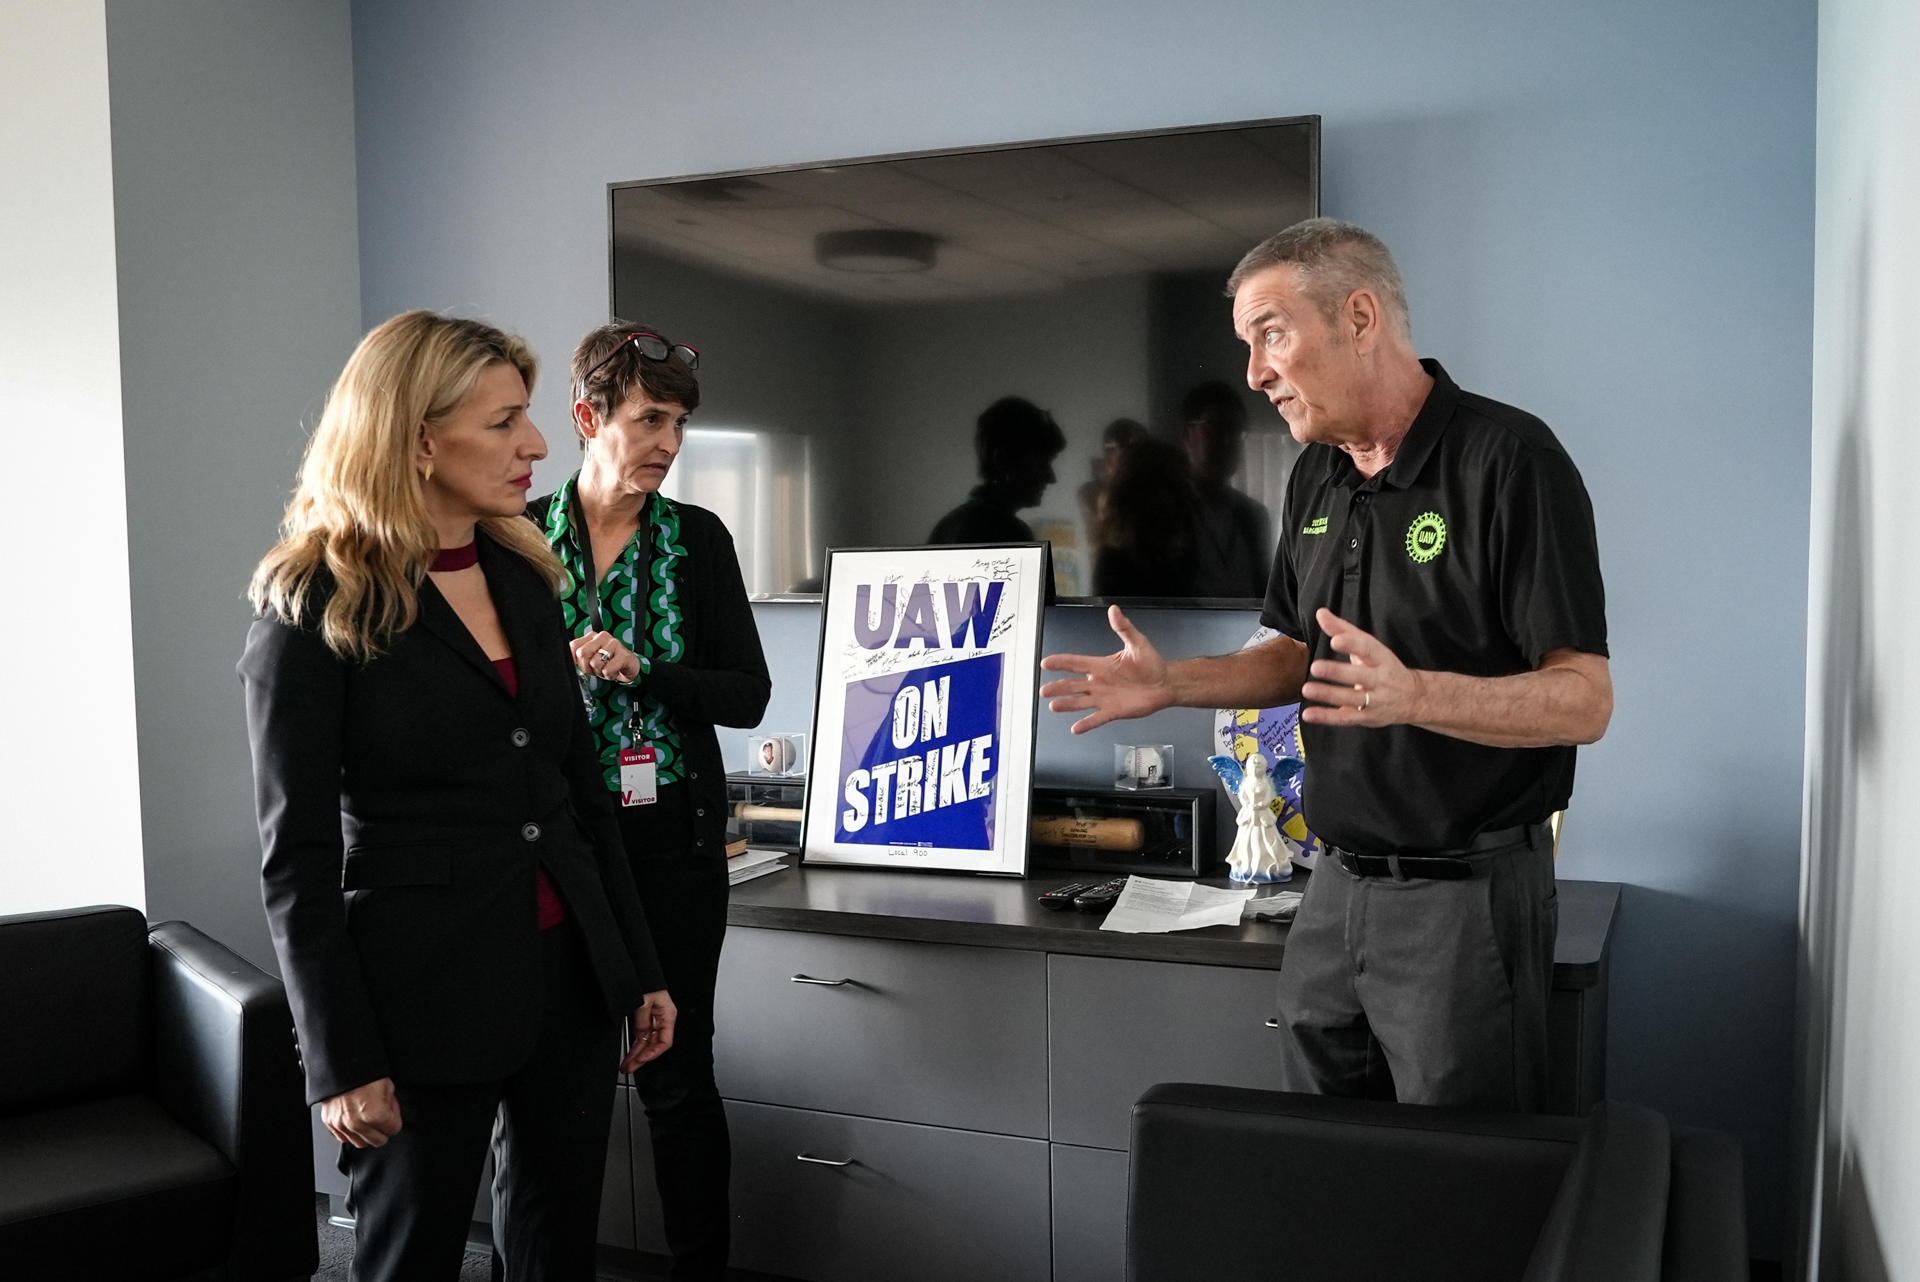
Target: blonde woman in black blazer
{"points": [[451, 907]]}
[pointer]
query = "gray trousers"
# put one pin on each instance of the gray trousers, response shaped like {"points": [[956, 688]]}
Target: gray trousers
{"points": [[1425, 991]]}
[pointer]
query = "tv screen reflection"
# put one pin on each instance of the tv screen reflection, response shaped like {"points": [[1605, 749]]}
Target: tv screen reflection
{"points": [[999, 345]]}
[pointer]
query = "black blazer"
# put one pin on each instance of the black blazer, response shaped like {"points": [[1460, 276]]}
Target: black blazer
{"points": [[403, 805]]}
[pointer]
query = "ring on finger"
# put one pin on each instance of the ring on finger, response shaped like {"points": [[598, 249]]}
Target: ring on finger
{"points": [[602, 654], [1366, 699]]}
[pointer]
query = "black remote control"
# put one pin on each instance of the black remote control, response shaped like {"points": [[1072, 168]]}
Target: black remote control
{"points": [[1101, 897], [1061, 896]]}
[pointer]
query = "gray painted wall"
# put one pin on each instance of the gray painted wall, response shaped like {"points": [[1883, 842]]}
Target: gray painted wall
{"points": [[1605, 216], [239, 301], [1858, 1113]]}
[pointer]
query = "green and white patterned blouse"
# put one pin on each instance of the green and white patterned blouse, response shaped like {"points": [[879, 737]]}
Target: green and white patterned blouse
{"points": [[648, 623]]}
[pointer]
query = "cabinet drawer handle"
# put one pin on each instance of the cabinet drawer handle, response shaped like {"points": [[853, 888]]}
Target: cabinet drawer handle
{"points": [[824, 983], [821, 1161], [1273, 1023]]}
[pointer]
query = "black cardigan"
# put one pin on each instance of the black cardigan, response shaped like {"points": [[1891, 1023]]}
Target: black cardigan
{"points": [[722, 680]]}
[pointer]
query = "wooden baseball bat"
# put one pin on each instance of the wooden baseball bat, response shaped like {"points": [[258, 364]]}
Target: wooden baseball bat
{"points": [[1093, 834], [774, 814]]}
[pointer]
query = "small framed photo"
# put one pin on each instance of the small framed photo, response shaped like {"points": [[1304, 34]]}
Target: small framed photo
{"points": [[780, 755], [1142, 765]]}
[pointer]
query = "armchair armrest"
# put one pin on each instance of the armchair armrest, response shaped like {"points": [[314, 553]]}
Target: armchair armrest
{"points": [[225, 1065]]}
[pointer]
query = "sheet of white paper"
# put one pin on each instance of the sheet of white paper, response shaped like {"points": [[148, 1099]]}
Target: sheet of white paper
{"points": [[1150, 906]]}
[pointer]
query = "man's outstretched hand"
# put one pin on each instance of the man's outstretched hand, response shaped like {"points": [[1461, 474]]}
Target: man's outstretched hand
{"points": [[1370, 687], [1130, 682]]}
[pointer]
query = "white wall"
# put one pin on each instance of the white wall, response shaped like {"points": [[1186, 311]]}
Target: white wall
{"points": [[1860, 911], [70, 780]]}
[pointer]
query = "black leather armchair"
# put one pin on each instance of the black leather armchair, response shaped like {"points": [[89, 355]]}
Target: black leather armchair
{"points": [[1225, 1184], [152, 1116]]}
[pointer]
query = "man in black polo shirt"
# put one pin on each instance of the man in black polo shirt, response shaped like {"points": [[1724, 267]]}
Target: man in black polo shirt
{"points": [[1437, 587]]}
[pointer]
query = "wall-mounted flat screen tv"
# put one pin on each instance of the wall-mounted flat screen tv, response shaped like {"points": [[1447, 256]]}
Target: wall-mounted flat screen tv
{"points": [[962, 346]]}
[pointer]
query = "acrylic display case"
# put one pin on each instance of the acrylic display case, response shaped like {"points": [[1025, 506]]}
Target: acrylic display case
{"points": [[766, 810], [1162, 832]]}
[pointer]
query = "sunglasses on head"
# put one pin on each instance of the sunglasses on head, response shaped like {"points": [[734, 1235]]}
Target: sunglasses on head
{"points": [[655, 347]]}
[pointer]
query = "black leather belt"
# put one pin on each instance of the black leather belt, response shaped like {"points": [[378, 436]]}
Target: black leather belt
{"points": [[1448, 866], [1431, 867]]}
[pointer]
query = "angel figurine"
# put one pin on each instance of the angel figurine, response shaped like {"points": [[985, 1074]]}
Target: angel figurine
{"points": [[1258, 855]]}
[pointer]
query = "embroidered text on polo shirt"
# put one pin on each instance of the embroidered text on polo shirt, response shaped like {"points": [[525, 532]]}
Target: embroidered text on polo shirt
{"points": [[1318, 525]]}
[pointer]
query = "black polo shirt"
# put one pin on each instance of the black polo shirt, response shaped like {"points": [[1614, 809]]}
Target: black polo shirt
{"points": [[1473, 552]]}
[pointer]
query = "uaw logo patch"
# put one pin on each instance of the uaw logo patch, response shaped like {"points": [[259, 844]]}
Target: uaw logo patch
{"points": [[1426, 537]]}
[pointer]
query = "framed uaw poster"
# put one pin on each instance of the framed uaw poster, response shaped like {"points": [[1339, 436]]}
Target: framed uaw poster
{"points": [[924, 723]]}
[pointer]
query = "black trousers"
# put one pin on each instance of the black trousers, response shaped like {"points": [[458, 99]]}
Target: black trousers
{"points": [[685, 897], [1429, 992], [412, 1199]]}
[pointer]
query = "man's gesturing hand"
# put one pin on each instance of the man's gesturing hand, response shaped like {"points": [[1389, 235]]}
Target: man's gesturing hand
{"points": [[1369, 688], [1131, 682], [365, 1117]]}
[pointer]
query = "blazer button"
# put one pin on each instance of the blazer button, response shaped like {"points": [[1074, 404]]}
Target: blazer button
{"points": [[530, 831], [700, 814], [521, 738]]}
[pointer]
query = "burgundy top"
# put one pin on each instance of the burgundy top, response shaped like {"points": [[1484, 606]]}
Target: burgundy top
{"points": [[552, 911]]}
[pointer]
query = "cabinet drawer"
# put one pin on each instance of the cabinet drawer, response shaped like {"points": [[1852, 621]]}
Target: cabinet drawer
{"points": [[1116, 1027], [934, 1033], [1089, 1214], [911, 1203]]}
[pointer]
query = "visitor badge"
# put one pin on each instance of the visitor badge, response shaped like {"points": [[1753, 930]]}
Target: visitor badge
{"points": [[637, 771]]}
